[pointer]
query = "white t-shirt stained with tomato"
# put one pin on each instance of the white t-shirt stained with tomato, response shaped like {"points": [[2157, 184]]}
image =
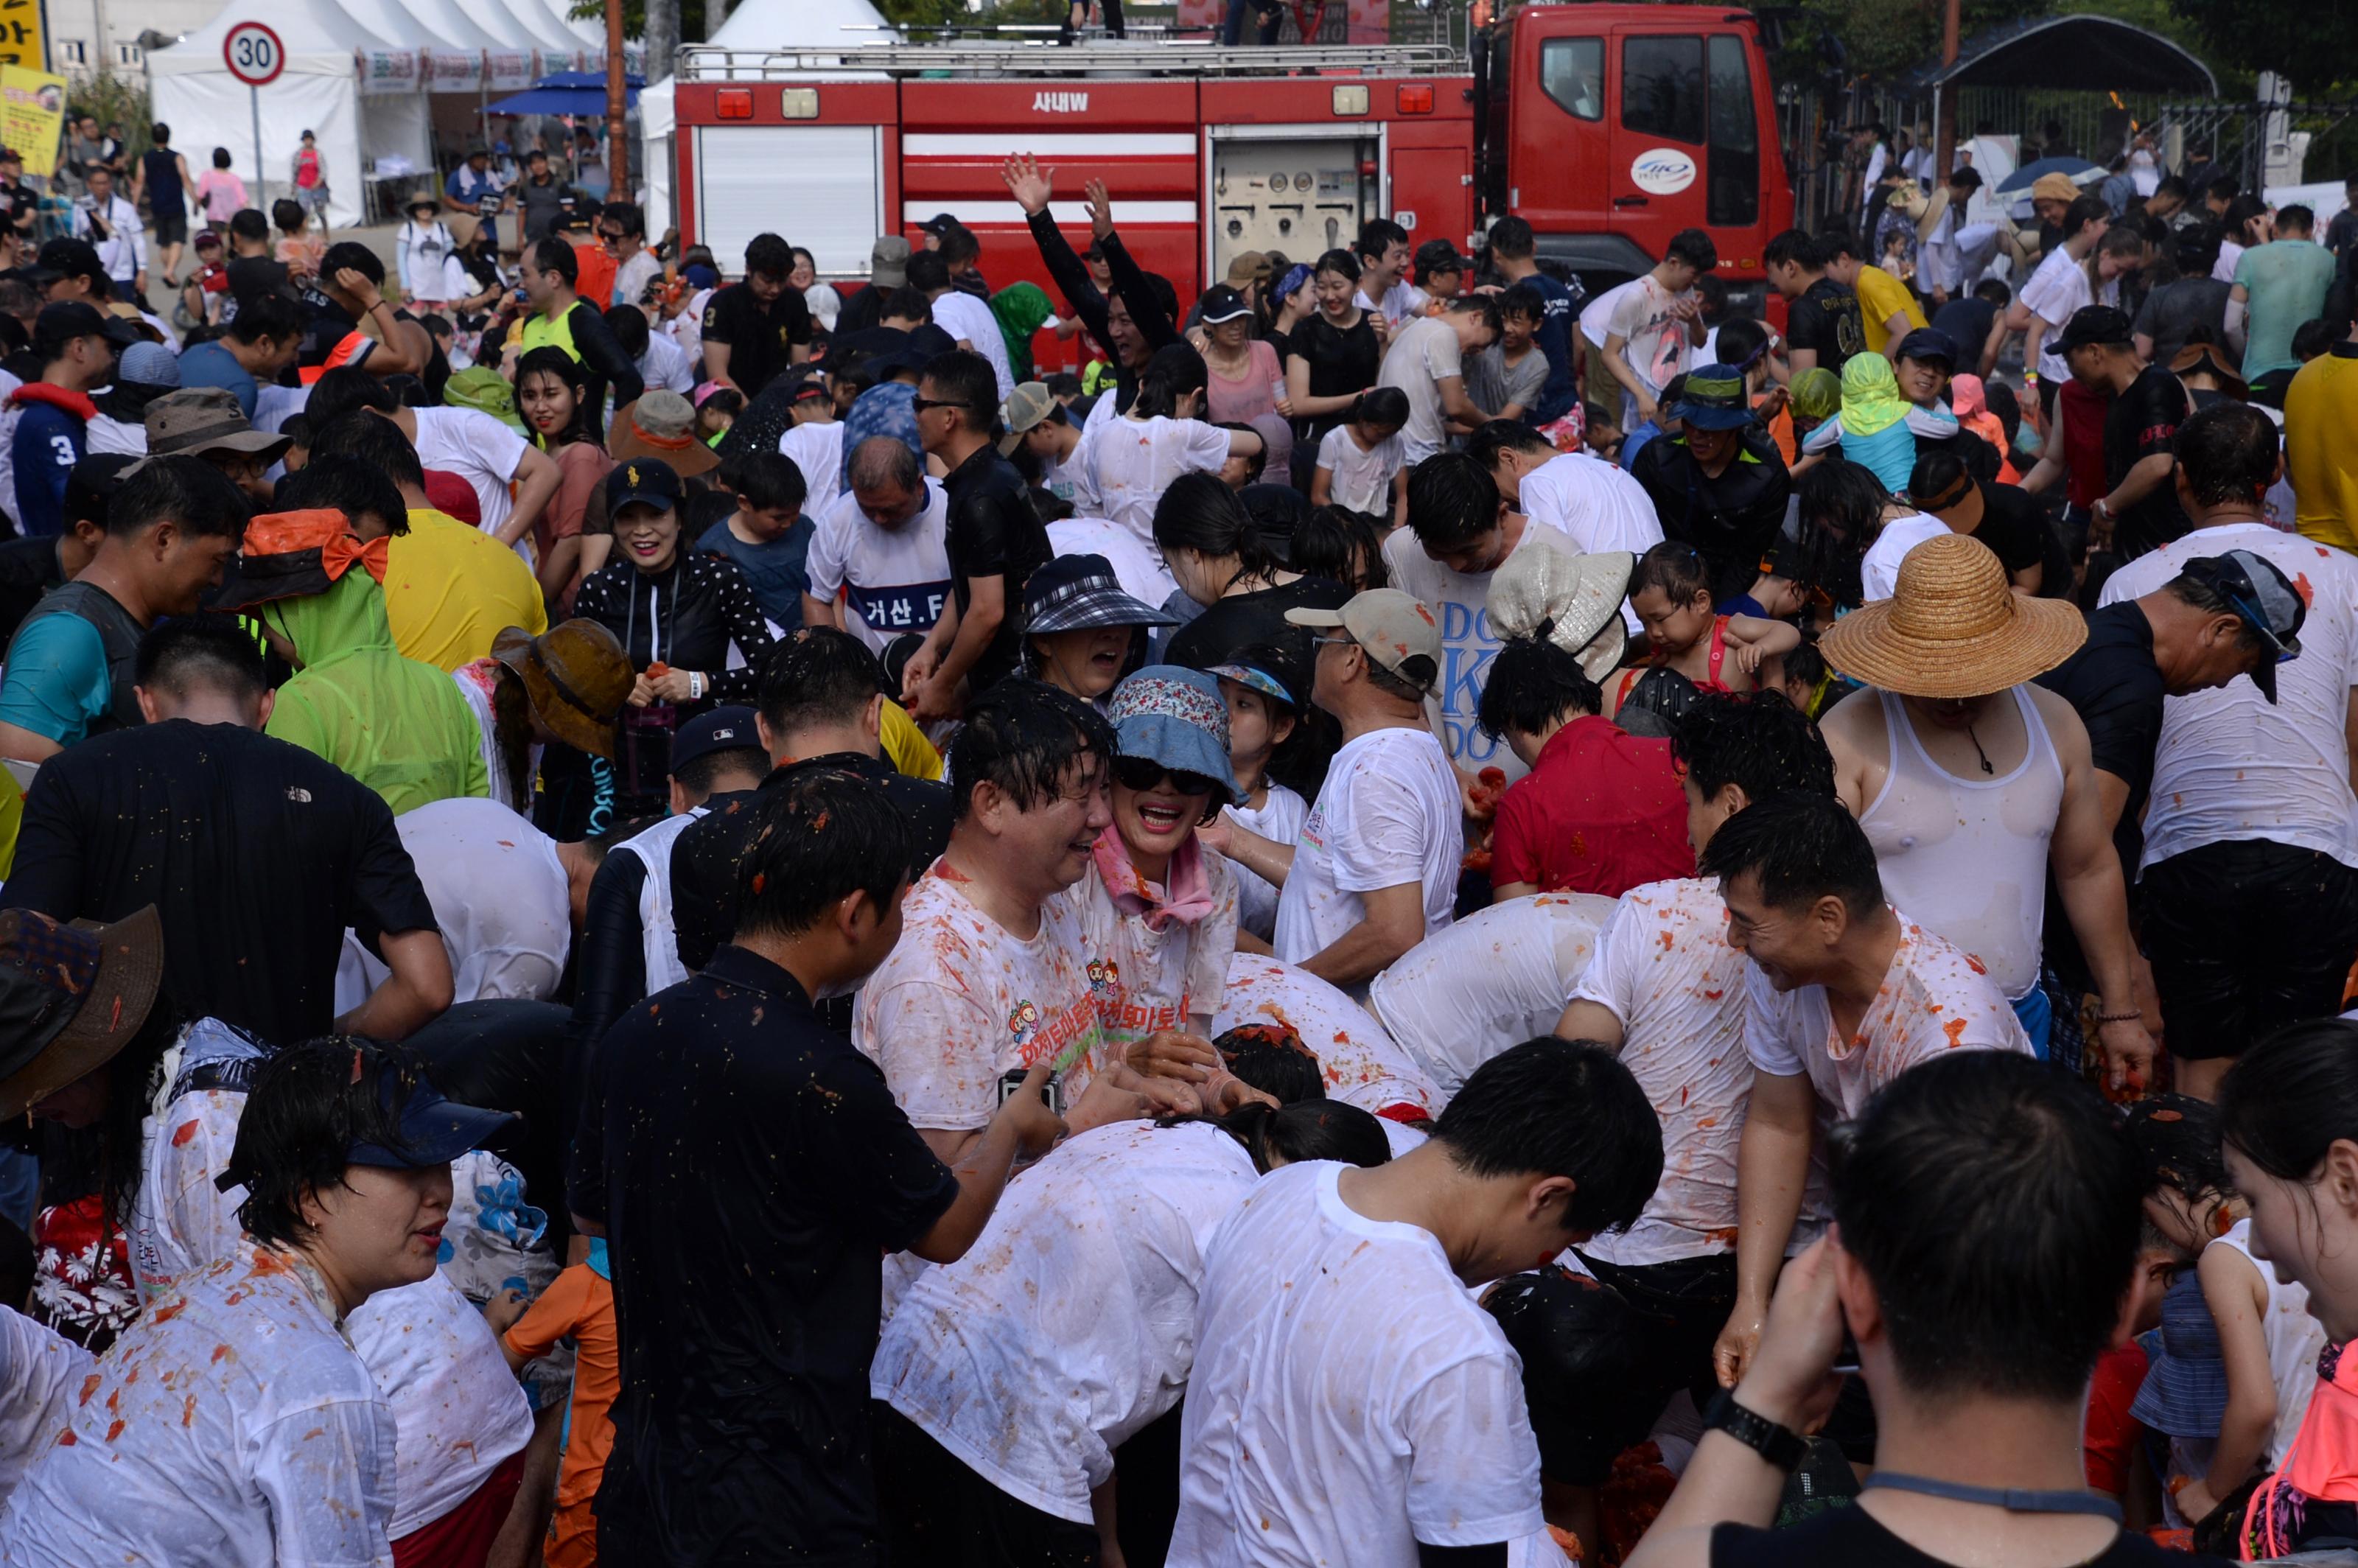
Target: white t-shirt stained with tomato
{"points": [[1389, 814], [479, 449], [1349, 1398], [1128, 463], [1935, 997], [1362, 1065], [962, 1000], [1664, 969], [1494, 980]]}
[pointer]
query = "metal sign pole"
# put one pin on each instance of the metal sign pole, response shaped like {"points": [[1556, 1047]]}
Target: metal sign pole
{"points": [[253, 102]]}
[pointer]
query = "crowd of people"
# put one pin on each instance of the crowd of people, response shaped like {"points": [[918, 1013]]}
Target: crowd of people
{"points": [[1421, 919]]}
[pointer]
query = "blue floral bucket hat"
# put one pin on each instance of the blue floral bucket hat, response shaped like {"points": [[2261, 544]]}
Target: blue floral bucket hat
{"points": [[1176, 716]]}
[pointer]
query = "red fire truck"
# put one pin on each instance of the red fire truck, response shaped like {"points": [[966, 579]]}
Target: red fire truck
{"points": [[1609, 127]]}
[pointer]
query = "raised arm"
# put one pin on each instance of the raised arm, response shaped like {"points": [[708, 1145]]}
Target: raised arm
{"points": [[1032, 187]]}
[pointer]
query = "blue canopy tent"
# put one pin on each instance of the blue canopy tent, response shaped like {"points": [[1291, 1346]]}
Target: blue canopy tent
{"points": [[574, 93]]}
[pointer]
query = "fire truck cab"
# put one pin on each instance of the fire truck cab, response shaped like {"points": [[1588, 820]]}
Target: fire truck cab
{"points": [[1609, 127]]}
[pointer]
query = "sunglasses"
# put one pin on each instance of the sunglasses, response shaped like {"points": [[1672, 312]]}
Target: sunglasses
{"points": [[1144, 774], [919, 405]]}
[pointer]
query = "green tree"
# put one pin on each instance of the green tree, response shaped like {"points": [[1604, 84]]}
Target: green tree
{"points": [[2315, 42]]}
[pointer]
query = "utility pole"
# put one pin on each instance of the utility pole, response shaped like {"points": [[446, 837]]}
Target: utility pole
{"points": [[618, 147], [1944, 156]]}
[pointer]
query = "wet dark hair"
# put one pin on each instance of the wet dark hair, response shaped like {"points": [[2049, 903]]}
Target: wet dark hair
{"points": [[343, 389], [770, 255], [1996, 1209], [2178, 1144], [1756, 741], [1452, 500], [309, 1104], [248, 223], [1694, 247], [1495, 436], [1531, 685], [1272, 1059], [1525, 301], [1199, 513], [907, 304], [1025, 737], [2289, 1098], [1308, 1130], [289, 215], [966, 378], [266, 316], [1174, 370], [2314, 338], [207, 650], [340, 482], [1377, 236], [1257, 462], [1801, 848], [1741, 341], [178, 489], [1379, 406], [2227, 452], [928, 271], [1794, 247], [629, 325], [1673, 568], [958, 244], [1339, 261], [1587, 1386], [1655, 702], [769, 482], [550, 359], [376, 442], [819, 676], [821, 834], [1559, 1108], [1342, 545], [1842, 508], [555, 254]]}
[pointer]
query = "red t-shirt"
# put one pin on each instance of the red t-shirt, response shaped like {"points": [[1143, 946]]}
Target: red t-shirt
{"points": [[1600, 812], [2109, 1439]]}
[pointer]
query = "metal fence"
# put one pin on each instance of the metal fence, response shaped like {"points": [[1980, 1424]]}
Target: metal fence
{"points": [[2246, 139]]}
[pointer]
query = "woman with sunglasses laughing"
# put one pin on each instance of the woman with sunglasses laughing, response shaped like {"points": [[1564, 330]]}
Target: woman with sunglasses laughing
{"points": [[1159, 909]]}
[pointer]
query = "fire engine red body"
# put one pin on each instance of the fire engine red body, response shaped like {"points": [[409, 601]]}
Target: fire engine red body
{"points": [[1608, 127]]}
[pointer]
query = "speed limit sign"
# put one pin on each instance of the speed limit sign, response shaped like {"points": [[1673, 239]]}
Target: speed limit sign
{"points": [[254, 53]]}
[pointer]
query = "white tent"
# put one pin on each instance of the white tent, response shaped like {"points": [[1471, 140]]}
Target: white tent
{"points": [[355, 78], [318, 91], [757, 25]]}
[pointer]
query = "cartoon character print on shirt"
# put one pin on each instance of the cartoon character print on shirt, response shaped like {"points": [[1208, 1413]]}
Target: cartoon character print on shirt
{"points": [[1023, 1023]]}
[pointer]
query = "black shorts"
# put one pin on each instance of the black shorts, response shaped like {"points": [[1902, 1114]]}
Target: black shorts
{"points": [[2246, 937], [934, 1510], [169, 228]]}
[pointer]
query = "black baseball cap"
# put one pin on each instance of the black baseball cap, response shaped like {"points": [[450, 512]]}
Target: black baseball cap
{"points": [[1222, 303], [2092, 325], [62, 321], [2270, 605], [70, 257], [729, 728], [647, 480], [1929, 344], [940, 223]]}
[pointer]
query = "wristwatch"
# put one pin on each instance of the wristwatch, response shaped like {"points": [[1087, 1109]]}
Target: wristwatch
{"points": [[1781, 1445]]}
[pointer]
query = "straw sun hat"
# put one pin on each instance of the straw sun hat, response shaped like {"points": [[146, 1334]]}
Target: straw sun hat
{"points": [[1954, 629]]}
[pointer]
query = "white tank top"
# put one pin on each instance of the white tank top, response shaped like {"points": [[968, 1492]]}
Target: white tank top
{"points": [[2294, 1340], [659, 940], [1968, 857]]}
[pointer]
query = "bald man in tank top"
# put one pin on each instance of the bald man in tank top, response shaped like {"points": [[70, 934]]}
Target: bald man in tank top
{"points": [[1972, 784]]}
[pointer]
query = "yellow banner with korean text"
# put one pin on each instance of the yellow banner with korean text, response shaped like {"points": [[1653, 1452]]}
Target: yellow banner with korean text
{"points": [[32, 108]]}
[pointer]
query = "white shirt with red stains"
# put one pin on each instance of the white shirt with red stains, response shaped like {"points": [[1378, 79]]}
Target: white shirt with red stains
{"points": [[42, 1370], [460, 1410], [1496, 978], [230, 1427], [2231, 766], [1664, 969], [1032, 1382], [1935, 997], [1144, 979], [1349, 1398], [1363, 1064], [962, 1000]]}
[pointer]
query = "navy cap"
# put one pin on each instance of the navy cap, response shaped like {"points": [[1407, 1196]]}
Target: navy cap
{"points": [[2269, 603], [729, 728], [435, 1129], [1928, 343], [648, 480]]}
